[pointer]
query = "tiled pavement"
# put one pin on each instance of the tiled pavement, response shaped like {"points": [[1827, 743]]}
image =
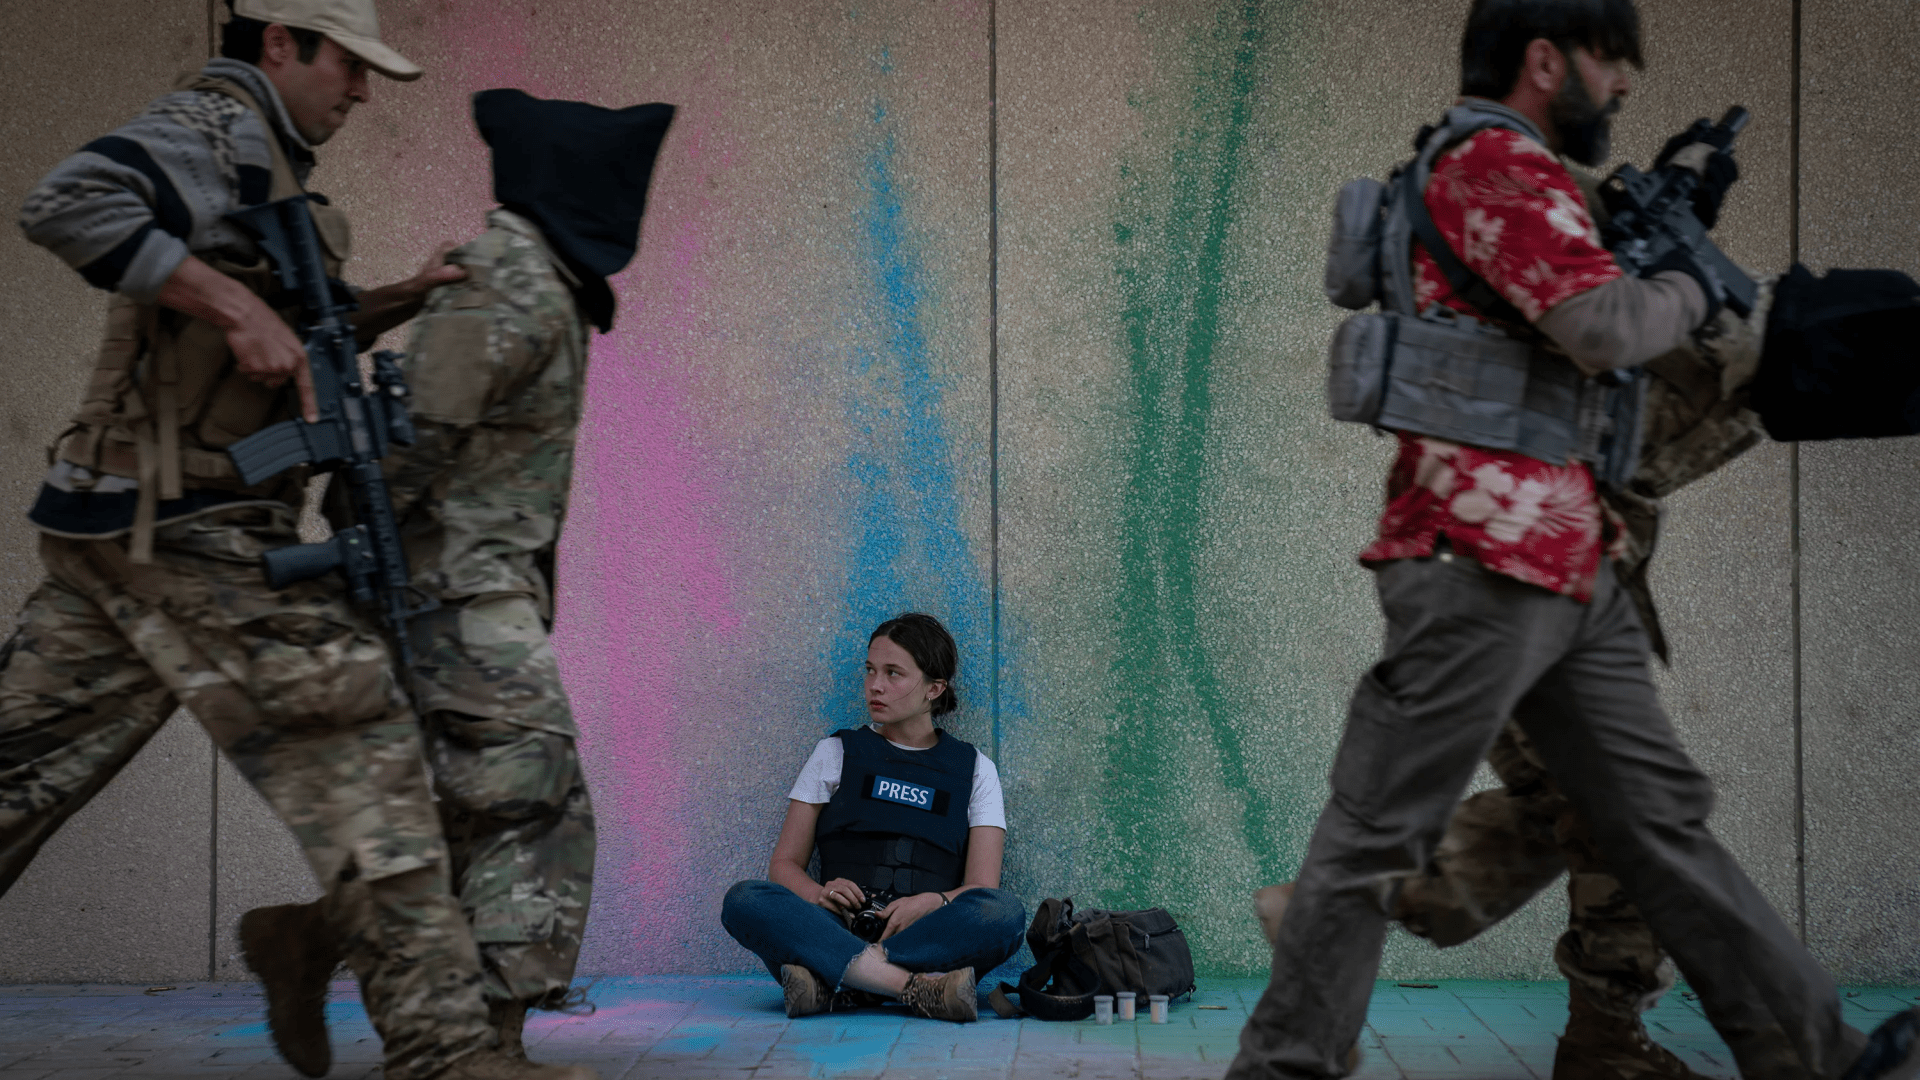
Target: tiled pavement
{"points": [[688, 1028]]}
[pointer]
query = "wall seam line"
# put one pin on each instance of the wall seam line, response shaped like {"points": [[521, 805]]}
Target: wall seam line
{"points": [[213, 866], [993, 363], [1793, 522], [213, 788]]}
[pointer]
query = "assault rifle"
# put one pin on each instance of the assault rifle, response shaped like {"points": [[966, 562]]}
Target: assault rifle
{"points": [[1653, 220], [356, 428]]}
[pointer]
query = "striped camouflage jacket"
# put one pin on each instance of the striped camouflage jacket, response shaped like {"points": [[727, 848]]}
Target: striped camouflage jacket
{"points": [[129, 207]]}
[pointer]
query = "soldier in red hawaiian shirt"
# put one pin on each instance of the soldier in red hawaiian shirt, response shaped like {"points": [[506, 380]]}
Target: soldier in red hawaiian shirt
{"points": [[1517, 218], [1499, 605]]}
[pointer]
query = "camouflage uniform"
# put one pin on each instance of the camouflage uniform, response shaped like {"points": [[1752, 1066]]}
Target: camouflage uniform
{"points": [[497, 365], [1504, 845], [155, 598], [295, 689]]}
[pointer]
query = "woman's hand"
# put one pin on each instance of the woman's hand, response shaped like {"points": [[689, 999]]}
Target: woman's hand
{"points": [[907, 910], [841, 897]]}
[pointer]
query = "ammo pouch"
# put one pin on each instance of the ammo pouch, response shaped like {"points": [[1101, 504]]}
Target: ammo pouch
{"points": [[1352, 279], [1441, 373], [1454, 377], [1080, 954]]}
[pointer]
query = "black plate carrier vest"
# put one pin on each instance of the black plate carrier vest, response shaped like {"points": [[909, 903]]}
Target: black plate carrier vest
{"points": [[898, 822]]}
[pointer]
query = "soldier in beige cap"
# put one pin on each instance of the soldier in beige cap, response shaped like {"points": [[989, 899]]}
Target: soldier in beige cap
{"points": [[155, 597], [350, 24]]}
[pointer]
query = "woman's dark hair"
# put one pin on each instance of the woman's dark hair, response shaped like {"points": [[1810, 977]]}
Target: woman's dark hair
{"points": [[932, 649], [1495, 43], [244, 39]]}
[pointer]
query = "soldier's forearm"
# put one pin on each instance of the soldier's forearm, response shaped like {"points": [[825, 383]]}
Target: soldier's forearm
{"points": [[388, 306], [202, 292], [1627, 321], [384, 308]]}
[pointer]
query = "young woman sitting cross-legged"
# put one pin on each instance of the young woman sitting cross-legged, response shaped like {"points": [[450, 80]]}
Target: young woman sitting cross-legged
{"points": [[910, 829]]}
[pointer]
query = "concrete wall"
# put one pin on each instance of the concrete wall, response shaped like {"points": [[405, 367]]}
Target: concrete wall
{"points": [[806, 421]]}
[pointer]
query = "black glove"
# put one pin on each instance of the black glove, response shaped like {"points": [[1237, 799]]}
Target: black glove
{"points": [[1717, 170], [1721, 172]]}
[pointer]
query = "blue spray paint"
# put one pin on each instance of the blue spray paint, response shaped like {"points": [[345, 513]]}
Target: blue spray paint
{"points": [[908, 548]]}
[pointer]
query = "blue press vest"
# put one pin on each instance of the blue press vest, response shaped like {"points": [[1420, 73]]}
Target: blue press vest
{"points": [[898, 822]]}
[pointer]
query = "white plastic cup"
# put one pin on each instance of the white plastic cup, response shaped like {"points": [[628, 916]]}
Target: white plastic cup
{"points": [[1102, 1009], [1125, 999], [1157, 1003]]}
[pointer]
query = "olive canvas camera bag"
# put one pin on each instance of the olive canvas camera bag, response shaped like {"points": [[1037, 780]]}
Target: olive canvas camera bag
{"points": [[1080, 954]]}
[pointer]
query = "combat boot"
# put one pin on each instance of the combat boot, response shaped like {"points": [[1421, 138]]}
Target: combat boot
{"points": [[494, 1065], [292, 951], [1603, 1046], [942, 997]]}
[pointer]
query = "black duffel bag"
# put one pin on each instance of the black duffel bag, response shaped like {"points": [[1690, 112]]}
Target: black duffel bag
{"points": [[1080, 954]]}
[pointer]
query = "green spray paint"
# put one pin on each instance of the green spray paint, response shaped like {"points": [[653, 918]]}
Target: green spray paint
{"points": [[1172, 708]]}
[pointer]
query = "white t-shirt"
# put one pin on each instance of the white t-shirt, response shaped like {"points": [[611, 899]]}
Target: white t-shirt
{"points": [[820, 778]]}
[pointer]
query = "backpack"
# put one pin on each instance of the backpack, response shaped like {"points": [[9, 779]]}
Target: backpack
{"points": [[1079, 954]]}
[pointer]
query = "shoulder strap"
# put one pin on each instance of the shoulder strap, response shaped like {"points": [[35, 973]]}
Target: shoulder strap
{"points": [[157, 438], [1461, 123], [1468, 285]]}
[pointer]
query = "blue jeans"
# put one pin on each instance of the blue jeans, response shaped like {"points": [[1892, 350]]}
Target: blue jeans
{"points": [[980, 929]]}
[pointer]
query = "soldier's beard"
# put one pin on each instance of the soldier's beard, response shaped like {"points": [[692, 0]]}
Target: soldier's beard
{"points": [[1585, 128]]}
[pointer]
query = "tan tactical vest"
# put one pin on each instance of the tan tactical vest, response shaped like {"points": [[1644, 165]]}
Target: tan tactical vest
{"points": [[165, 400]]}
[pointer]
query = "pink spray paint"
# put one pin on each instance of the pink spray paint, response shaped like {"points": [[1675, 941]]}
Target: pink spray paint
{"points": [[642, 577]]}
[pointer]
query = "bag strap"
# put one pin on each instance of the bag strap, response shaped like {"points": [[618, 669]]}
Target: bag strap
{"points": [[1037, 1002], [1459, 125], [1467, 285], [1051, 949]]}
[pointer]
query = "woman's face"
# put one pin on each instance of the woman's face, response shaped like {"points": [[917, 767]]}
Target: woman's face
{"points": [[896, 689]]}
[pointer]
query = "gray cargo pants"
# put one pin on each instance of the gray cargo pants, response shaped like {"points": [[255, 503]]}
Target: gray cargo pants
{"points": [[1466, 648]]}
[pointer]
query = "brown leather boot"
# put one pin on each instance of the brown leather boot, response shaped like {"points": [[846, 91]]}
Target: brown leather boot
{"points": [[1270, 904], [806, 994], [494, 1065], [292, 951], [1603, 1046], [942, 997]]}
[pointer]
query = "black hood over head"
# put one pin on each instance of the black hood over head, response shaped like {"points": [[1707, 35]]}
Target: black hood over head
{"points": [[580, 173]]}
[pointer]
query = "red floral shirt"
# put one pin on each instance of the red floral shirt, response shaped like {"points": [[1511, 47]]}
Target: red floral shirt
{"points": [[1514, 215]]}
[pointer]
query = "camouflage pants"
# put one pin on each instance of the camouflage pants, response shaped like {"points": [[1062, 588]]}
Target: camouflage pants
{"points": [[501, 739], [296, 691], [1501, 848]]}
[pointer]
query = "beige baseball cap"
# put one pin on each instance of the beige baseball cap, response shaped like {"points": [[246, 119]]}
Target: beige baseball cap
{"points": [[352, 25]]}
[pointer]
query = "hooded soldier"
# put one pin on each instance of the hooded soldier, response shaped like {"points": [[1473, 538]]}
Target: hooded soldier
{"points": [[498, 368]]}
